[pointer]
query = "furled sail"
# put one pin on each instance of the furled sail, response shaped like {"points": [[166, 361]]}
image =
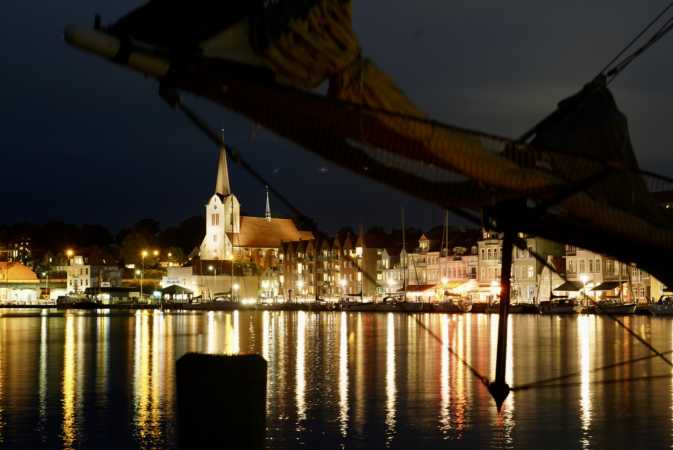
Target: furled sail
{"points": [[262, 58]]}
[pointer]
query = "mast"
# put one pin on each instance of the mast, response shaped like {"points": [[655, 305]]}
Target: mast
{"points": [[621, 286]]}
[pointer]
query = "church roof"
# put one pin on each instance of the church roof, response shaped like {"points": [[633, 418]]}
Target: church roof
{"points": [[262, 233], [222, 184]]}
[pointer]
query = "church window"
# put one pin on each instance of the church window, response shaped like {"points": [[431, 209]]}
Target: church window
{"points": [[214, 238], [215, 219]]}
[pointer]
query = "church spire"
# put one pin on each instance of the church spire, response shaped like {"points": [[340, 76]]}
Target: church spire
{"points": [[222, 183], [267, 215]]}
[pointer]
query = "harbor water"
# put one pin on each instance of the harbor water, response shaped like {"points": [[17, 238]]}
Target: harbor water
{"points": [[344, 380]]}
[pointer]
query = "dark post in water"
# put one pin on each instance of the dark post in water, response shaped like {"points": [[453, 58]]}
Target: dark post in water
{"points": [[499, 388], [221, 401]]}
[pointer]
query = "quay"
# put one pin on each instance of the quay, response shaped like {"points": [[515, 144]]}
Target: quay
{"points": [[401, 307]]}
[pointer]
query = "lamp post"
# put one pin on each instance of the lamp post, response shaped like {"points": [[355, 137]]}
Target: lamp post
{"points": [[584, 278], [343, 283], [212, 270], [143, 254], [300, 287], [46, 284], [235, 287]]}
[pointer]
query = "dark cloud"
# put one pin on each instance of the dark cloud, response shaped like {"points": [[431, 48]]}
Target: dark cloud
{"points": [[85, 141]]}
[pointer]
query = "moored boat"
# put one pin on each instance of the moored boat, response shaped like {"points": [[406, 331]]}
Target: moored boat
{"points": [[613, 307], [663, 307], [561, 305]]}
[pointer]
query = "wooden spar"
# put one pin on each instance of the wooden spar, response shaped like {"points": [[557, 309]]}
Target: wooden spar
{"points": [[499, 389]]}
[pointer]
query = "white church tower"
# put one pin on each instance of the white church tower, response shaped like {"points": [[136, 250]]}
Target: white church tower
{"points": [[223, 217]]}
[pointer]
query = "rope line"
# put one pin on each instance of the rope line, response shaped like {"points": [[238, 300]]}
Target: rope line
{"points": [[599, 382], [658, 35], [637, 37], [484, 380], [526, 386]]}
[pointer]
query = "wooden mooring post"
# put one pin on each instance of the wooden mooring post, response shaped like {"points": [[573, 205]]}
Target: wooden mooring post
{"points": [[221, 401]]}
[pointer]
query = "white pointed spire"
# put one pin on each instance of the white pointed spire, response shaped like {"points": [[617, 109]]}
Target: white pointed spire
{"points": [[267, 215], [222, 184]]}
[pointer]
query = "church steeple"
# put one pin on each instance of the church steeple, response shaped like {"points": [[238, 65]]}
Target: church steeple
{"points": [[222, 183], [267, 214]]}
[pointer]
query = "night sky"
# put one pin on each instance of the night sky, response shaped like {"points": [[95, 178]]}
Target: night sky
{"points": [[85, 141]]}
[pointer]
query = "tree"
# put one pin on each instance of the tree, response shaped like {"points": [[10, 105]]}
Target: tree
{"points": [[132, 247]]}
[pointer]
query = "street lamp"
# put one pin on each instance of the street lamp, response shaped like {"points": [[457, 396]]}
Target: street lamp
{"points": [[212, 270], [235, 287], [46, 285], [300, 286], [143, 254], [584, 278]]}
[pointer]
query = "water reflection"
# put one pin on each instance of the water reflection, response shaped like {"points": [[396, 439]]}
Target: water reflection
{"points": [[350, 380], [69, 372], [42, 383], [583, 324], [343, 373], [445, 386], [300, 373], [391, 389]]}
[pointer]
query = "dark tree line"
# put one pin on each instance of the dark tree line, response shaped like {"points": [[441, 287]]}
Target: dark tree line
{"points": [[49, 241]]}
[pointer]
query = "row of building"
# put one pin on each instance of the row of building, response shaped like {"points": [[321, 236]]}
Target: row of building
{"points": [[296, 265], [467, 264]]}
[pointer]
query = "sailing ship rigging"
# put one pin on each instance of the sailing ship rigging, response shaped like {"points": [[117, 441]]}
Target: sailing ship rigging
{"points": [[573, 177]]}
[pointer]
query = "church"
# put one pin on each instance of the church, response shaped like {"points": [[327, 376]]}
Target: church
{"points": [[230, 236], [237, 251]]}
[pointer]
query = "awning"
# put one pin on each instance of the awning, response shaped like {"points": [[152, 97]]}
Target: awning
{"points": [[416, 288], [606, 286], [569, 286], [174, 289]]}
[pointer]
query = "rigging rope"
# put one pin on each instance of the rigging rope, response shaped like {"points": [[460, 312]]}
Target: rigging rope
{"points": [[636, 38], [612, 73]]}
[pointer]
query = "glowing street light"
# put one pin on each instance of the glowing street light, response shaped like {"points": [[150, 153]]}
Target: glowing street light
{"points": [[143, 255], [445, 281]]}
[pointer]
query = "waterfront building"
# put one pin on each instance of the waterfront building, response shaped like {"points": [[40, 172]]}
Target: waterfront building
{"points": [[527, 285], [18, 283], [489, 266], [81, 276], [600, 276]]}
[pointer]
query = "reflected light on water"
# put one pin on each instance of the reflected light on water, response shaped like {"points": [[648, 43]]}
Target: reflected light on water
{"points": [[583, 324], [235, 334], [142, 380], [343, 374], [42, 383], [69, 368], [445, 386], [391, 389], [300, 373], [211, 346]]}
